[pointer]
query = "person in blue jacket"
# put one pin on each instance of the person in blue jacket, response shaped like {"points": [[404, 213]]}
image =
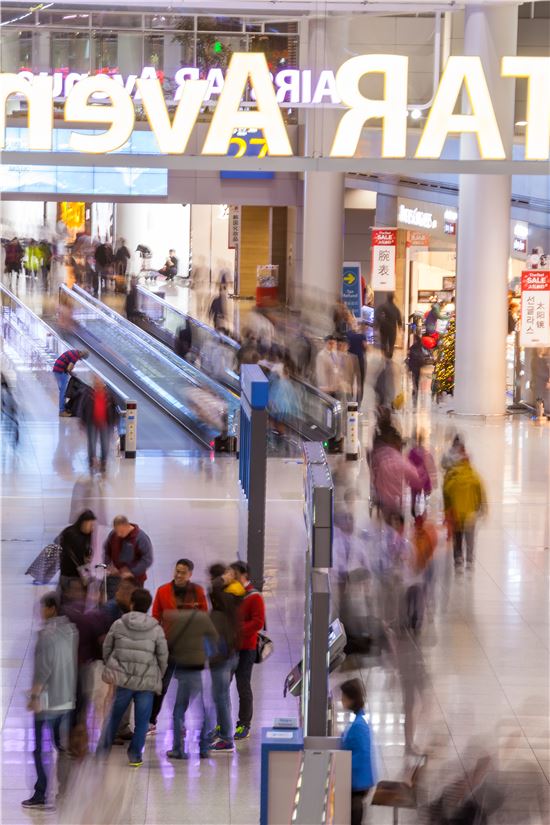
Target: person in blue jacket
{"points": [[357, 738]]}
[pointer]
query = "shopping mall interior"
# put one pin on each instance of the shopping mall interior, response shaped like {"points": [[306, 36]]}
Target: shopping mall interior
{"points": [[287, 264]]}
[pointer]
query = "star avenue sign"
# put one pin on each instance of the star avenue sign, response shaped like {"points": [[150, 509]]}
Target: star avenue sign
{"points": [[100, 100]]}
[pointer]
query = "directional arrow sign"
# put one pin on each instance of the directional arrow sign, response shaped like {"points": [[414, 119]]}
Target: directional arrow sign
{"points": [[349, 278], [351, 287]]}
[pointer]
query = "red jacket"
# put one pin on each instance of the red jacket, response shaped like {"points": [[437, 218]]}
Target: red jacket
{"points": [[165, 599], [252, 616]]}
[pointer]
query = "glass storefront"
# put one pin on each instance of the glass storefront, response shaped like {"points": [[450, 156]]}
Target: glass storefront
{"points": [[74, 41]]}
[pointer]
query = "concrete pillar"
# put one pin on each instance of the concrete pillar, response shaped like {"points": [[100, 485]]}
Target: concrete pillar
{"points": [[323, 216], [130, 54], [484, 228], [10, 60], [41, 58], [386, 210]]}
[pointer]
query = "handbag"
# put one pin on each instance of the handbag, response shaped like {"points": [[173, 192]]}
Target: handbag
{"points": [[264, 647], [84, 570]]}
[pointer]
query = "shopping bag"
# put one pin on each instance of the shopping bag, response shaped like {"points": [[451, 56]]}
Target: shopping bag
{"points": [[46, 564]]}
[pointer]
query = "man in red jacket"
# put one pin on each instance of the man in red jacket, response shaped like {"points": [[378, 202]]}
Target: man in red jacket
{"points": [[252, 618], [193, 597]]}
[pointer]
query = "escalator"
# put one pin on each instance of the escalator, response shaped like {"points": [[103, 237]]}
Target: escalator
{"points": [[207, 411], [321, 416]]}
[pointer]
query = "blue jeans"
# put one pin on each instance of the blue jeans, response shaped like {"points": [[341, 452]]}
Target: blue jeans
{"points": [[58, 724], [221, 680], [143, 703], [62, 379], [189, 688]]}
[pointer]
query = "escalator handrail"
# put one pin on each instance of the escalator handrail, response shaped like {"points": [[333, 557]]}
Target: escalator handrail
{"points": [[202, 430], [328, 400], [120, 396], [193, 374]]}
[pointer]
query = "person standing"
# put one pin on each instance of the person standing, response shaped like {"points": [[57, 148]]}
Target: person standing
{"points": [[225, 597], [128, 550], [76, 549], [53, 692], [188, 634], [327, 368], [14, 257], [97, 410], [387, 318], [357, 347], [192, 597], [122, 256], [252, 620], [131, 304], [135, 656], [103, 260], [62, 369], [464, 500], [357, 738]]}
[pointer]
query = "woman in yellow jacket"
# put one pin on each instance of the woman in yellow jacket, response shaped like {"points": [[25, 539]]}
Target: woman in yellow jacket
{"points": [[464, 499]]}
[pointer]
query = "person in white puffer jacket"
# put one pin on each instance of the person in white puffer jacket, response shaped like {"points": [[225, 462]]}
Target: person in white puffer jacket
{"points": [[135, 655]]}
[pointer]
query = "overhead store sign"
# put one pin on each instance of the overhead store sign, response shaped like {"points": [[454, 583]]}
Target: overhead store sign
{"points": [[535, 308], [251, 70], [383, 246]]}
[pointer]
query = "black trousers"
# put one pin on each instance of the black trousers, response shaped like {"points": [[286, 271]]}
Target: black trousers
{"points": [[243, 677], [357, 799], [387, 341], [159, 698]]}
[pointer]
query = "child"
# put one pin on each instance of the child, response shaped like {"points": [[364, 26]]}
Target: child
{"points": [[424, 465], [357, 738]]}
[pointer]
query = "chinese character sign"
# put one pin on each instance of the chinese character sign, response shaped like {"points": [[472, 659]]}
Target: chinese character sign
{"points": [[535, 308], [383, 259]]}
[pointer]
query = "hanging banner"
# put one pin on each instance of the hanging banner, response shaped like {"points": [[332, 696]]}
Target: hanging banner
{"points": [[535, 308], [234, 227], [351, 287], [383, 259]]}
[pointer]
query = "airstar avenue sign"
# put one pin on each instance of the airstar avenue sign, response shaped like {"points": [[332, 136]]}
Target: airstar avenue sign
{"points": [[115, 109]]}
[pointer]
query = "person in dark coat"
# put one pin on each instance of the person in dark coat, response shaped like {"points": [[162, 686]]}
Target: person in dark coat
{"points": [[415, 361], [387, 318], [132, 301], [183, 340], [76, 548], [97, 410]]}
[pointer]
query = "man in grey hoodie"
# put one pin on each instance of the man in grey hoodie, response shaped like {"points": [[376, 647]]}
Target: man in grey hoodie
{"points": [[53, 692], [135, 655]]}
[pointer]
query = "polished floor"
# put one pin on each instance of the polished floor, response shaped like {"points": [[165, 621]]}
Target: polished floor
{"points": [[486, 652]]}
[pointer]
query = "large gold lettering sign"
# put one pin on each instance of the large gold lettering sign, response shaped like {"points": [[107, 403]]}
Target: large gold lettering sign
{"points": [[100, 100]]}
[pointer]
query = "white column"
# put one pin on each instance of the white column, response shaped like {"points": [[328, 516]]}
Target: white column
{"points": [[130, 53], [483, 231], [41, 59], [323, 210]]}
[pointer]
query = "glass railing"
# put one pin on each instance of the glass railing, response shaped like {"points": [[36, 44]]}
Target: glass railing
{"points": [[204, 407], [321, 416], [33, 345]]}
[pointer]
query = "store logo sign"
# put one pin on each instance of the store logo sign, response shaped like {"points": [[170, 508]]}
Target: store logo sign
{"points": [[118, 115], [415, 217]]}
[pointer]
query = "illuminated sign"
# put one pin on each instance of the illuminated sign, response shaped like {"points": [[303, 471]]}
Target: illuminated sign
{"points": [[415, 217], [100, 99]]}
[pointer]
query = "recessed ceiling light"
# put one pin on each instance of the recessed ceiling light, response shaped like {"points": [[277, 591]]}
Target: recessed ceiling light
{"points": [[521, 123], [416, 114]]}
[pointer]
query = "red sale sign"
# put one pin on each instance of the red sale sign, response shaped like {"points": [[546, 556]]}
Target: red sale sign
{"points": [[535, 308], [384, 242]]}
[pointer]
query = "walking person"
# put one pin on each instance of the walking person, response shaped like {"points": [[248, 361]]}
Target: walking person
{"points": [[464, 500], [422, 460], [98, 411], [135, 655], [387, 318], [76, 550], [225, 598], [128, 551], [357, 738], [192, 597], [415, 361], [62, 369], [189, 632], [252, 620], [53, 693]]}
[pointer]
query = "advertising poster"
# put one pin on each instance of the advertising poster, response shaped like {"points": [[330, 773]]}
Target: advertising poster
{"points": [[351, 287], [535, 308], [383, 259]]}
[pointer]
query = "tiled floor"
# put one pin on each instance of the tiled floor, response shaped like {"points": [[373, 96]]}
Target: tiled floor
{"points": [[486, 652]]}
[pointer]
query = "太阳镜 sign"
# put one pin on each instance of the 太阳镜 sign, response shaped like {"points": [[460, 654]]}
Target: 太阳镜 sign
{"points": [[535, 308], [100, 100]]}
